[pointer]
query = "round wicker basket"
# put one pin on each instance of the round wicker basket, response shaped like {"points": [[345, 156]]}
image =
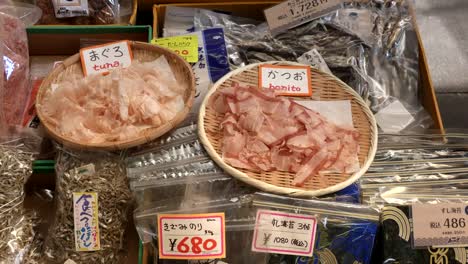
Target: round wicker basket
{"points": [[143, 52], [325, 87]]}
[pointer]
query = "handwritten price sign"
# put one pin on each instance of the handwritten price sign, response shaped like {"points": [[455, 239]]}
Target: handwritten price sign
{"points": [[85, 210], [103, 58], [184, 46], [199, 236], [286, 80], [284, 233]]}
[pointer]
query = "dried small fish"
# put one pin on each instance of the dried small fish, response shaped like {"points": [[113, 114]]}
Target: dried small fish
{"points": [[16, 225], [114, 200]]}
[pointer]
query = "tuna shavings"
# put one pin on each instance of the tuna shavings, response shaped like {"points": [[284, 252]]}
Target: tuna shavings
{"points": [[115, 107], [265, 132]]}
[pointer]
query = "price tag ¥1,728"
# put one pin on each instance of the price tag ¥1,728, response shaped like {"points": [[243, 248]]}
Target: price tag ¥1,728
{"points": [[195, 236], [440, 225]]}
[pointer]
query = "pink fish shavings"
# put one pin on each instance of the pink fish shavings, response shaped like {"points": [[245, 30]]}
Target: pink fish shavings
{"points": [[265, 132], [116, 107]]}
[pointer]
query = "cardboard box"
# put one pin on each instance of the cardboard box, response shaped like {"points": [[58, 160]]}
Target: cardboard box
{"points": [[255, 10]]}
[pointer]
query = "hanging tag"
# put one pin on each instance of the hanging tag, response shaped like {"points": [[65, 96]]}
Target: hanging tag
{"points": [[103, 58], [286, 80], [85, 211], [284, 233], [440, 225], [184, 46], [196, 236], [293, 13]]}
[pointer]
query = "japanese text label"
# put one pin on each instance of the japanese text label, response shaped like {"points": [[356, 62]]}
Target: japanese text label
{"points": [[184, 46], [293, 13], [197, 236], [284, 233], [85, 211], [103, 58], [440, 225], [286, 80]]}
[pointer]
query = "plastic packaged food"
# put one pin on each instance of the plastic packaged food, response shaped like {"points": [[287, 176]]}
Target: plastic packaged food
{"points": [[370, 46], [87, 175], [17, 233], [15, 83], [88, 12], [397, 232]]}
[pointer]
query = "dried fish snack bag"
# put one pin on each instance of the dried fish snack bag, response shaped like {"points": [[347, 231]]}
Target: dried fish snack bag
{"points": [[17, 224], [90, 186], [345, 232], [397, 226]]}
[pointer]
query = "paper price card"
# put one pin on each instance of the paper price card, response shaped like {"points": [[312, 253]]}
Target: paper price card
{"points": [[103, 58], [293, 13], [184, 46], [196, 236], [284, 233], [85, 211], [286, 80], [440, 225]]}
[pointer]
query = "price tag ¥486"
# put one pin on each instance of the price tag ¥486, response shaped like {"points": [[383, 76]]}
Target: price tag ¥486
{"points": [[196, 236]]}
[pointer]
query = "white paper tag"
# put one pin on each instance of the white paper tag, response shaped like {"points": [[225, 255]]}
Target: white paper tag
{"points": [[85, 211], [314, 59], [103, 58], [88, 170], [284, 233], [440, 225], [70, 8], [293, 13], [393, 118], [197, 236], [286, 80]]}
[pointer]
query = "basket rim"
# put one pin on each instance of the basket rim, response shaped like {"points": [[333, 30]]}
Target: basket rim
{"points": [[270, 187], [145, 135]]}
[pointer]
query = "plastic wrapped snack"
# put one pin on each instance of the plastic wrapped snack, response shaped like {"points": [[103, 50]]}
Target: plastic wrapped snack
{"points": [[17, 225], [88, 12], [398, 232], [14, 64], [91, 191]]}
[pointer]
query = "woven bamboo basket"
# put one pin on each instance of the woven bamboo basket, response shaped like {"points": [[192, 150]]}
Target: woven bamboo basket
{"points": [[325, 87], [143, 52]]}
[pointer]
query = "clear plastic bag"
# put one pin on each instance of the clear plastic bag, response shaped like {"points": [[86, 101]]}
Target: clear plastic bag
{"points": [[94, 12], [15, 83], [101, 173], [17, 224], [371, 46], [397, 230]]}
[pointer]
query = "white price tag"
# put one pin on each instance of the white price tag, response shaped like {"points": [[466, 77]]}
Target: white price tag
{"points": [[284, 233], [286, 80], [314, 59], [197, 236], [103, 58], [293, 13], [440, 225], [85, 211]]}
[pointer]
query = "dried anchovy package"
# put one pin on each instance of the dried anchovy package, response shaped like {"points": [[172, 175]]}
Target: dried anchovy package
{"points": [[372, 47], [17, 225], [398, 231], [100, 173]]}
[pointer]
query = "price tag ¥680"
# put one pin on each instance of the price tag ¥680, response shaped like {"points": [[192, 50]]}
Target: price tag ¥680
{"points": [[440, 225], [103, 58], [284, 233], [286, 80], [196, 236], [184, 46]]}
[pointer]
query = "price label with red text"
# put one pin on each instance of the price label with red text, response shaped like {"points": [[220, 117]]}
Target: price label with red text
{"points": [[184, 46], [195, 236], [286, 80], [106, 57]]}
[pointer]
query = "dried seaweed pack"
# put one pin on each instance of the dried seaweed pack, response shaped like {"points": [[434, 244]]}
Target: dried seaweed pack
{"points": [[17, 225], [345, 232], [397, 226], [100, 173]]}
